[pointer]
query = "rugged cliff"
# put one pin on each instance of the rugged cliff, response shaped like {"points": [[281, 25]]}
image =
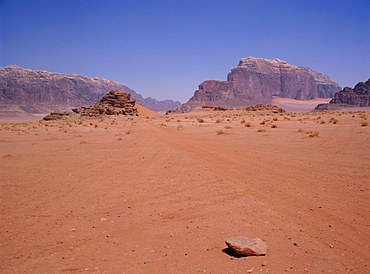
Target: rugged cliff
{"points": [[257, 80], [41, 91], [359, 96]]}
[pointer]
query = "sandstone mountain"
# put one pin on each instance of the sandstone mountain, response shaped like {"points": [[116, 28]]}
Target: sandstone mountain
{"points": [[258, 81], [115, 103], [359, 96], [41, 91]]}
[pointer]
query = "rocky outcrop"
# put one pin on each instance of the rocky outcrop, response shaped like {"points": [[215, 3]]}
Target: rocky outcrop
{"points": [[359, 96], [257, 80], [41, 91], [115, 103], [265, 107]]}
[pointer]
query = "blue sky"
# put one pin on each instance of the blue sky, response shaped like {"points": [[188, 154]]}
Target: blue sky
{"points": [[165, 48]]}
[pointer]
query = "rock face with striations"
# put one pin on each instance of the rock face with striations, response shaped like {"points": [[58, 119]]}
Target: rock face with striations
{"points": [[41, 91], [115, 103], [257, 81], [359, 96]]}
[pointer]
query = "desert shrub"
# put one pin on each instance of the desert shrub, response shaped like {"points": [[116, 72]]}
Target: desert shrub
{"points": [[263, 122], [218, 121], [200, 120], [300, 130], [275, 119], [219, 132], [273, 126], [128, 132], [180, 127], [227, 127], [119, 139], [362, 115], [322, 122], [314, 134], [261, 130], [242, 121], [333, 120], [248, 124], [364, 124]]}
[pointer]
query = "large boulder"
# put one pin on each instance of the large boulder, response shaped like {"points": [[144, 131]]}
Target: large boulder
{"points": [[247, 247]]}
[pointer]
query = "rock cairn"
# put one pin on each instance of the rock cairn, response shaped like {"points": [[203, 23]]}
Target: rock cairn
{"points": [[115, 103]]}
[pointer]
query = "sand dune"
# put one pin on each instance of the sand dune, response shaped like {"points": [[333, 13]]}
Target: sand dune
{"points": [[298, 105], [161, 194], [143, 111]]}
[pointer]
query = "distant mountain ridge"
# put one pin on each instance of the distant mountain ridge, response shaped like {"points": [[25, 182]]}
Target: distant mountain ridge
{"points": [[36, 91], [258, 81]]}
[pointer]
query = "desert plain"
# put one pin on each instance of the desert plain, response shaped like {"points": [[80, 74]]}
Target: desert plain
{"points": [[161, 193]]}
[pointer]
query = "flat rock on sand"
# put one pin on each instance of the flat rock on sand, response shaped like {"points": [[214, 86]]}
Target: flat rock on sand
{"points": [[247, 247]]}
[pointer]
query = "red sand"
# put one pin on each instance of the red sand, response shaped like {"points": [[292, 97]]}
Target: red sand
{"points": [[161, 194]]}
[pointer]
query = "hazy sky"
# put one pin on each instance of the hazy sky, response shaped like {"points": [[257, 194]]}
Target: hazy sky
{"points": [[166, 48]]}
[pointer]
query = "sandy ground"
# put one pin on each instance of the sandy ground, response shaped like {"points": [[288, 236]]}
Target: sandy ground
{"points": [[161, 194]]}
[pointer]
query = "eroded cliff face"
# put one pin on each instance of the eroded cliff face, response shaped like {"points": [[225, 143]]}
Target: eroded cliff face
{"points": [[115, 103], [43, 91], [257, 80], [359, 96]]}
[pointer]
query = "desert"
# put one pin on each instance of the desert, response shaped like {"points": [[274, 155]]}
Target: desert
{"points": [[161, 193]]}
